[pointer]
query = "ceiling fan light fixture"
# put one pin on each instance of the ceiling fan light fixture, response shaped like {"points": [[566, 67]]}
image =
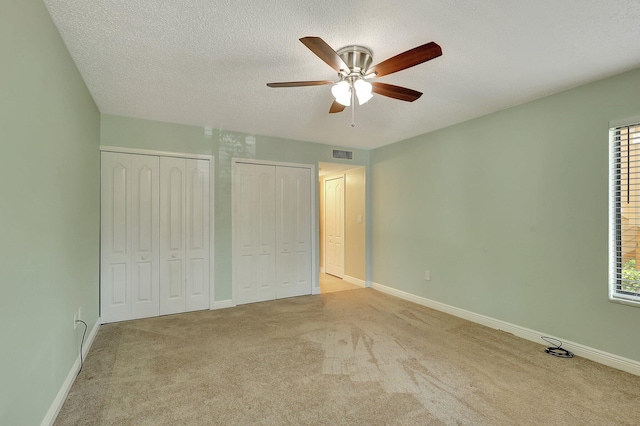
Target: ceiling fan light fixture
{"points": [[342, 92], [363, 91]]}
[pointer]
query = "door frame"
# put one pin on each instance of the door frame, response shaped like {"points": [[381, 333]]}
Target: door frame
{"points": [[315, 261], [211, 158], [324, 228]]}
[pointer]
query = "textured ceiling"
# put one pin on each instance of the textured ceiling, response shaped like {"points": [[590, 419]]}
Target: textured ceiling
{"points": [[206, 63]]}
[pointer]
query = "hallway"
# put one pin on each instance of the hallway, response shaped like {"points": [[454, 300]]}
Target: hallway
{"points": [[331, 284]]}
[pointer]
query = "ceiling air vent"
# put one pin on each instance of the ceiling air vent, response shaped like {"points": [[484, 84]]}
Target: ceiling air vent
{"points": [[344, 155]]}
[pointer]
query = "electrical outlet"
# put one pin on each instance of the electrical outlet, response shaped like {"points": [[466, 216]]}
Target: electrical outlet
{"points": [[427, 275]]}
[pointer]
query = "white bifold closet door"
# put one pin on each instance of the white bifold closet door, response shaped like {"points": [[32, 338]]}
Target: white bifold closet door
{"points": [[154, 236], [129, 237], [184, 235], [272, 226]]}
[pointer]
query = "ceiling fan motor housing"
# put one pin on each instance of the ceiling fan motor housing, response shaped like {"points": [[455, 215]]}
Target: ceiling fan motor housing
{"points": [[357, 58]]}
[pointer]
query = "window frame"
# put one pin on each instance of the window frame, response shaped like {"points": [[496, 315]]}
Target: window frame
{"points": [[615, 213]]}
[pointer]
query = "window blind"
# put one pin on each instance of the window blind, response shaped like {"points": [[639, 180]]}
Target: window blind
{"points": [[625, 213]]}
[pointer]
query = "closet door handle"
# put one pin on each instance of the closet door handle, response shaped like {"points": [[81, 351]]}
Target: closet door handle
{"points": [[173, 256]]}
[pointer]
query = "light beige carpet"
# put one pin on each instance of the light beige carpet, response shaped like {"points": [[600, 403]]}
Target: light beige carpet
{"points": [[355, 357], [330, 284]]}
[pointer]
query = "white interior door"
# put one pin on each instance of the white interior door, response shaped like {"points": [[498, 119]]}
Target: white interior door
{"points": [[197, 233], [129, 236], [254, 233], [334, 226], [293, 231]]}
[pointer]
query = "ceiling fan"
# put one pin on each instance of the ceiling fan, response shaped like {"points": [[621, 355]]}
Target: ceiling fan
{"points": [[353, 64]]}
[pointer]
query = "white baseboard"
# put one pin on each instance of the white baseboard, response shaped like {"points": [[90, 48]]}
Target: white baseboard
{"points": [[223, 304], [355, 281], [58, 402], [606, 358]]}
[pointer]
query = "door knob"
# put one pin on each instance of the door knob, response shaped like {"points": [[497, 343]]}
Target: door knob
{"points": [[173, 256], [144, 258]]}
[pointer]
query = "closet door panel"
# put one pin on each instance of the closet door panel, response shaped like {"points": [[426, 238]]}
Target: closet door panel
{"points": [[245, 215], [286, 240], [129, 236], [172, 235], [302, 232], [197, 207], [293, 199], [265, 235], [115, 197], [144, 236], [254, 227], [243, 218]]}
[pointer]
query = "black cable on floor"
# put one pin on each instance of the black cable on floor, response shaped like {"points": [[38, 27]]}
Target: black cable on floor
{"points": [[556, 349], [82, 343]]}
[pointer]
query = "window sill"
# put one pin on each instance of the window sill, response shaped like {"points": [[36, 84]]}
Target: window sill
{"points": [[631, 301]]}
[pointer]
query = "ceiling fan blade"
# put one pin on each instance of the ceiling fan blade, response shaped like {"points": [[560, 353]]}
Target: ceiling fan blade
{"points": [[336, 107], [324, 52], [300, 83], [395, 92], [407, 59]]}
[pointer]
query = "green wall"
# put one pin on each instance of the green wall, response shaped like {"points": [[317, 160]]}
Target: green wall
{"points": [[223, 145], [355, 244], [49, 220], [509, 212]]}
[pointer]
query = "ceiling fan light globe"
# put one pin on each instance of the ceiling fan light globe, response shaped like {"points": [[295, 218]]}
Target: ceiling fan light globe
{"points": [[340, 89], [344, 99], [362, 87], [363, 91], [363, 98], [342, 92]]}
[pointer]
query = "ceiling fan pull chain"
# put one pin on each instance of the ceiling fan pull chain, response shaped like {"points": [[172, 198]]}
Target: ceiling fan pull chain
{"points": [[353, 107]]}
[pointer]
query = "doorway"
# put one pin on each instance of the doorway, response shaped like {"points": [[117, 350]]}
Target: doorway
{"points": [[342, 220], [334, 198]]}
